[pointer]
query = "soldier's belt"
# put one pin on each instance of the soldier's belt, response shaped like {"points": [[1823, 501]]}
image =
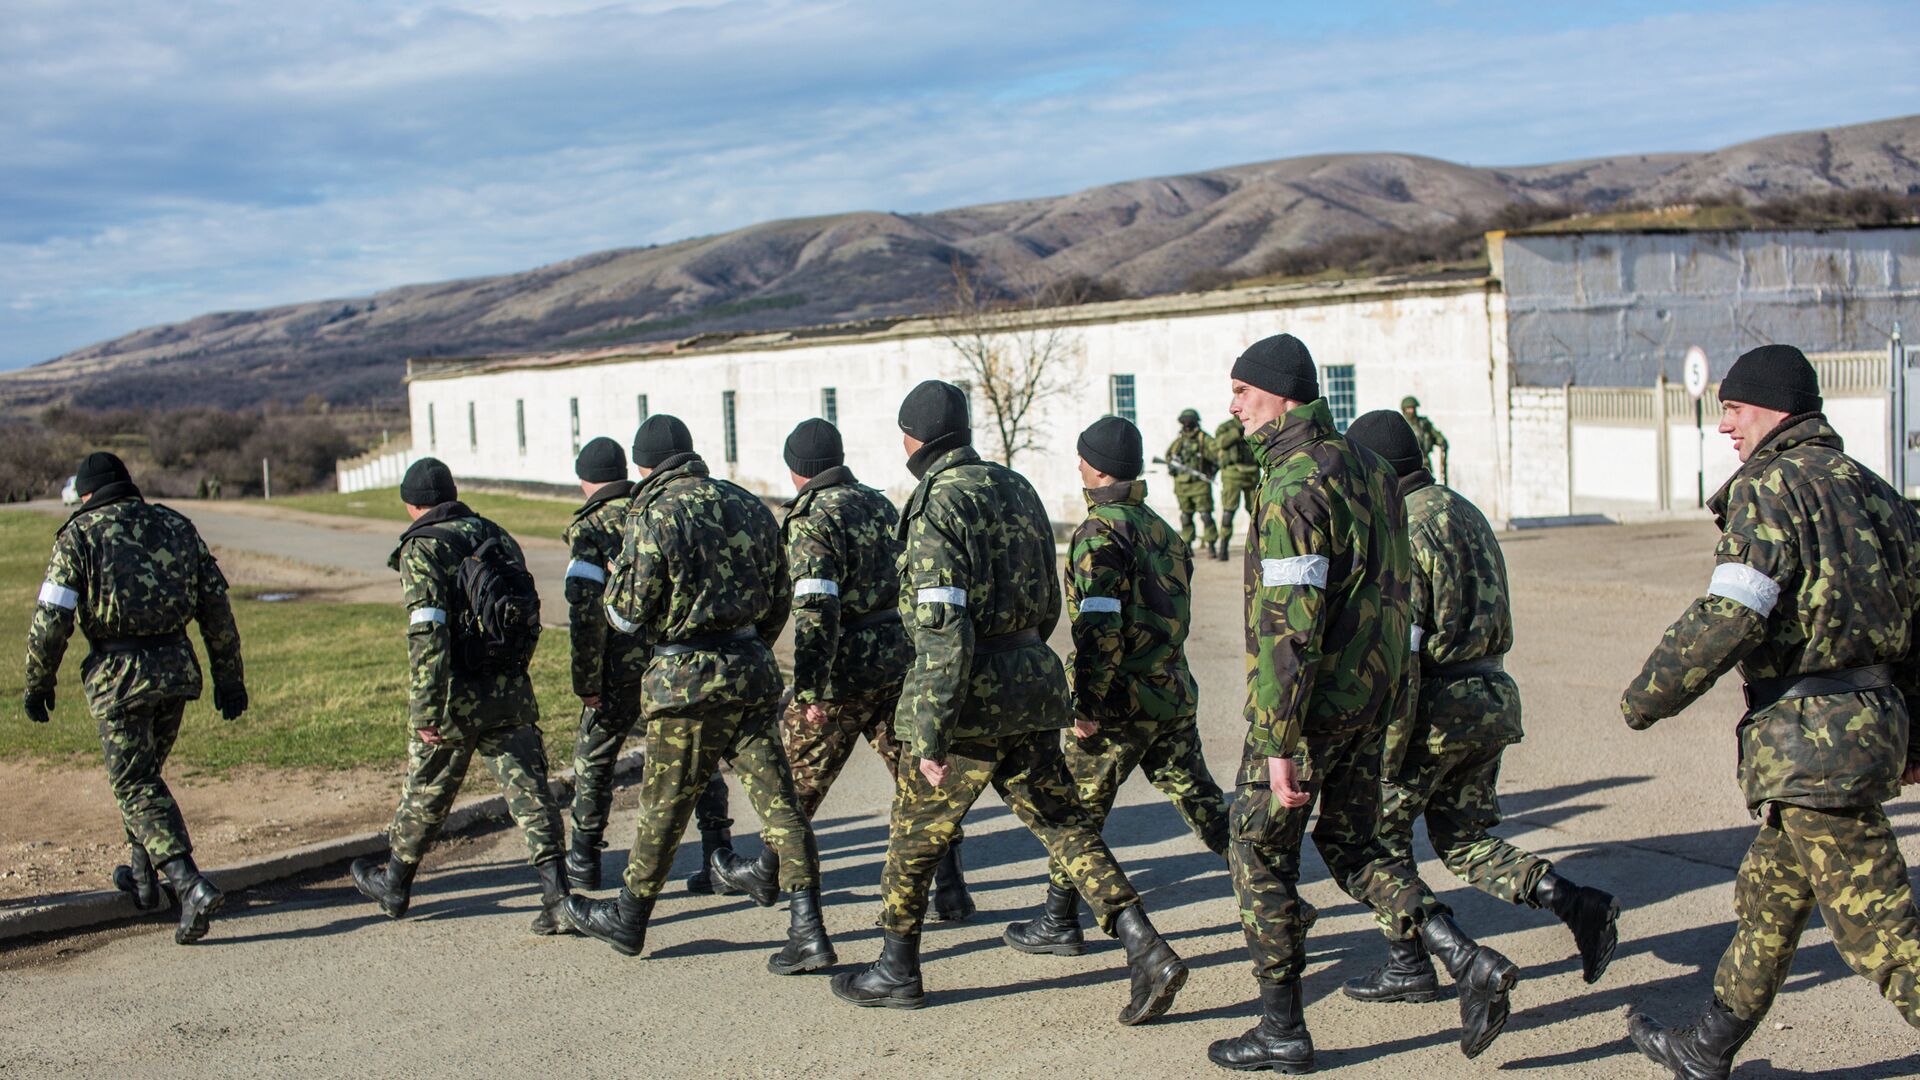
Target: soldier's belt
{"points": [[1764, 692], [874, 618], [1486, 665], [1000, 643], [713, 642], [139, 644]]}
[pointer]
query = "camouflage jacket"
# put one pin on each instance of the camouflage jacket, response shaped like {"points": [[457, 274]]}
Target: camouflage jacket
{"points": [[126, 568], [1427, 435], [978, 565], [602, 656], [1326, 587], [1235, 453], [1816, 571], [843, 553], [1128, 594], [1195, 450], [1460, 613], [699, 558], [439, 694]]}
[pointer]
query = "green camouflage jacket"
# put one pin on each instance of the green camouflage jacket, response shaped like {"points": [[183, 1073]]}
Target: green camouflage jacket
{"points": [[1428, 436], [602, 656], [1235, 453], [978, 564], [843, 553], [126, 568], [1326, 587], [1128, 592], [1193, 449], [701, 557], [439, 695], [1816, 570], [1460, 613]]}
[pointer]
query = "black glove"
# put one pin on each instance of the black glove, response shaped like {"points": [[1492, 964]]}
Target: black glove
{"points": [[230, 703], [39, 706]]}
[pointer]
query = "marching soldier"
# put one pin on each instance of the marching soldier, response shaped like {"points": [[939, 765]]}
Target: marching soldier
{"points": [[1327, 631], [132, 574], [1443, 749], [1814, 595], [701, 575], [1134, 701], [850, 650], [607, 666], [983, 702], [469, 690], [1192, 461], [1239, 478], [1428, 435]]}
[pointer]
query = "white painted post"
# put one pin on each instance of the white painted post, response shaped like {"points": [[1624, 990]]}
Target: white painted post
{"points": [[266, 480]]}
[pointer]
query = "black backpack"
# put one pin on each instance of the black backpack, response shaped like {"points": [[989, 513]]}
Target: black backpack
{"points": [[497, 625]]}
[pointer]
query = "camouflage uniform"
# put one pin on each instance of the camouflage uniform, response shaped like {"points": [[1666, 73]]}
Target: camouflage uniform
{"points": [[1194, 450], [1127, 601], [132, 574], [1239, 475], [1817, 575], [700, 569], [1427, 435], [1327, 613], [983, 693], [491, 714], [850, 650]]}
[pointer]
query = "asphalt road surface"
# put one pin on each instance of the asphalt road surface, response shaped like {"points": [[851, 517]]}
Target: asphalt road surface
{"points": [[307, 979]]}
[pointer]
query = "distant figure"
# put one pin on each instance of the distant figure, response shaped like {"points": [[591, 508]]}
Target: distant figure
{"points": [[1192, 461], [132, 574], [200, 489], [213, 487], [1428, 435], [1239, 478]]}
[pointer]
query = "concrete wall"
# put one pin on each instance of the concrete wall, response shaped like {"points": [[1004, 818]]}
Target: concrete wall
{"points": [[1538, 425]]}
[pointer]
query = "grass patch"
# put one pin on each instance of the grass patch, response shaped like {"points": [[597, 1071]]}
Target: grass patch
{"points": [[521, 515], [328, 682]]}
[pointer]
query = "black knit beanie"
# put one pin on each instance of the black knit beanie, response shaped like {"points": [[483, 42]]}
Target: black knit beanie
{"points": [[428, 483], [658, 439], [1773, 377], [97, 470], [601, 461], [936, 409], [1386, 433], [1279, 365], [1112, 445], [814, 447]]}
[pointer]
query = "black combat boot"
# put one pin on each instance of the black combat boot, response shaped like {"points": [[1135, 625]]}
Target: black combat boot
{"points": [[1408, 975], [701, 882], [137, 879], [808, 947], [1221, 552], [1591, 914], [1056, 932], [553, 900], [1480, 975], [199, 900], [391, 886], [1156, 973], [892, 981], [759, 879], [951, 903], [1701, 1051], [583, 861], [1279, 1041], [620, 922]]}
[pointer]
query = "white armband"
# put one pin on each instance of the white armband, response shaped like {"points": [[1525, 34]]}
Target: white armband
{"points": [[587, 571], [816, 586], [941, 595], [427, 614], [1745, 586], [619, 623], [1299, 570], [59, 596], [1095, 604], [1419, 635]]}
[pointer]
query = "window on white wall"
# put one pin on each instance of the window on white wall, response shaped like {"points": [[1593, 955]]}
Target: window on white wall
{"points": [[573, 406], [1120, 400], [727, 421], [1339, 391], [520, 421], [433, 435], [830, 405], [473, 429]]}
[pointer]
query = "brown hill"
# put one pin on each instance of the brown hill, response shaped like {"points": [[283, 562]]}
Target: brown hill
{"points": [[1137, 237]]}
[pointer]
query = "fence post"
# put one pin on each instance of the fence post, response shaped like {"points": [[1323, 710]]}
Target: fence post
{"points": [[1663, 496]]}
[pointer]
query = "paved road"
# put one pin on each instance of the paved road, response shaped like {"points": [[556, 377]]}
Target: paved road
{"points": [[308, 980]]}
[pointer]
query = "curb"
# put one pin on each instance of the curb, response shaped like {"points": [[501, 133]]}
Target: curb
{"points": [[82, 911]]}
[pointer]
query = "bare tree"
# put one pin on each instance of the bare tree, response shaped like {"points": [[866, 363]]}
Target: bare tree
{"points": [[1015, 364]]}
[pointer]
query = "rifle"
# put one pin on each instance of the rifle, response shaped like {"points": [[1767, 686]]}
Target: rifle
{"points": [[1177, 468]]}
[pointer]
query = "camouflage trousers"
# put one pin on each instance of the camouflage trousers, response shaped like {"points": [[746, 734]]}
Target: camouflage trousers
{"points": [[1169, 752], [514, 753], [1239, 486], [1457, 791], [136, 741], [1848, 863], [1196, 500], [1030, 774], [684, 750], [817, 752], [1342, 774], [603, 731]]}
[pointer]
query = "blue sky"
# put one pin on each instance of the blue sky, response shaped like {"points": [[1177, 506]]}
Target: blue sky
{"points": [[158, 161]]}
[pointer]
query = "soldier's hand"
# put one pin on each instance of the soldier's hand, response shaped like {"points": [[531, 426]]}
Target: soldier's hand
{"points": [[231, 703], [430, 735], [39, 706], [1085, 727], [1912, 775], [1283, 777], [591, 701], [936, 772], [815, 714]]}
